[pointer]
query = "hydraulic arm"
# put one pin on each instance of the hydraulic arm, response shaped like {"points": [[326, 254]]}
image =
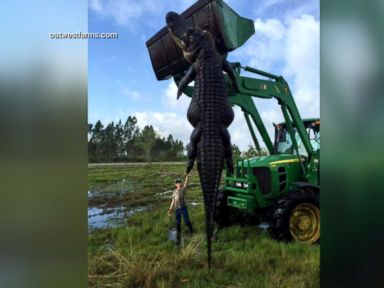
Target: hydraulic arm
{"points": [[272, 87]]}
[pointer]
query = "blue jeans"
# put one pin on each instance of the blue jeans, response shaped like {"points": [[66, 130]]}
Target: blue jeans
{"points": [[182, 211]]}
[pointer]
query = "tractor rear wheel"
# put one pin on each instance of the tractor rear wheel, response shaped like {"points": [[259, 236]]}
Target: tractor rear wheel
{"points": [[297, 217]]}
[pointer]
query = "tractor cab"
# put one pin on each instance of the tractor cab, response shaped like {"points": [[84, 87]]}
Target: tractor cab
{"points": [[258, 181], [283, 141]]}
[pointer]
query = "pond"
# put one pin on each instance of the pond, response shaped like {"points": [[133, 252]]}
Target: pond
{"points": [[110, 217], [110, 204]]}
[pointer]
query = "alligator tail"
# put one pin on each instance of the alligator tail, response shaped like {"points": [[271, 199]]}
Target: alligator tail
{"points": [[210, 165]]}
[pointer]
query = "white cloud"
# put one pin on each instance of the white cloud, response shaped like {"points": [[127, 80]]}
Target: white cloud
{"points": [[265, 5], [178, 125], [291, 49], [170, 101], [172, 122], [175, 121], [239, 132], [166, 123], [131, 94], [128, 13], [302, 63], [308, 8], [286, 10], [272, 28], [96, 5], [121, 11], [264, 48]]}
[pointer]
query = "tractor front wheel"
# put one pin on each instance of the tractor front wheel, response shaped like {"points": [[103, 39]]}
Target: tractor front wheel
{"points": [[225, 215], [297, 217]]}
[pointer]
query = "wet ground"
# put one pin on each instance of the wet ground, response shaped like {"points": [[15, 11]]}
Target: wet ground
{"points": [[111, 203], [110, 217]]}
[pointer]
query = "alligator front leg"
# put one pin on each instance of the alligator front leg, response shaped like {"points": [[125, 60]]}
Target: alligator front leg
{"points": [[227, 67], [192, 148], [188, 78]]}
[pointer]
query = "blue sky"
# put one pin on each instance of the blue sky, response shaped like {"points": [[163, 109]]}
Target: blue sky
{"points": [[122, 82]]}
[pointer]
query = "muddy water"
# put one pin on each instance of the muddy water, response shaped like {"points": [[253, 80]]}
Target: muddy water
{"points": [[110, 217], [114, 188], [109, 205], [172, 235]]}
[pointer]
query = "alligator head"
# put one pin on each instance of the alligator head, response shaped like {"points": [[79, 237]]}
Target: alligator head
{"points": [[189, 38]]}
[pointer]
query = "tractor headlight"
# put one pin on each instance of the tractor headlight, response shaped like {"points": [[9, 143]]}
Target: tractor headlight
{"points": [[241, 185]]}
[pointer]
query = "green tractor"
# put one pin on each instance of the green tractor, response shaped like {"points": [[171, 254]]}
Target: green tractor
{"points": [[283, 187]]}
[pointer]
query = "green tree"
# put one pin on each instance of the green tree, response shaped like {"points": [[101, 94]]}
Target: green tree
{"points": [[90, 128], [170, 148], [119, 141], [236, 153], [131, 134], [97, 138], [91, 144], [109, 145], [178, 148], [251, 152], [264, 152], [147, 140], [160, 149]]}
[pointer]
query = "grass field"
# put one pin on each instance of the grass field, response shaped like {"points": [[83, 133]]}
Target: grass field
{"points": [[139, 254]]}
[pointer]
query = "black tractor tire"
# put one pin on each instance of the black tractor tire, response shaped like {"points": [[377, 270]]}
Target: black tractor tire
{"points": [[224, 215], [221, 210], [294, 213]]}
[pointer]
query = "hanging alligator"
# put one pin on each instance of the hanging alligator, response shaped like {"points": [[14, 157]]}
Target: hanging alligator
{"points": [[209, 112]]}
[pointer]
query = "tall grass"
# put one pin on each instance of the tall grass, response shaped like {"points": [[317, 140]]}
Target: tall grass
{"points": [[140, 254]]}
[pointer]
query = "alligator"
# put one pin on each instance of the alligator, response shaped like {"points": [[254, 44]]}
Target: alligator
{"points": [[209, 112]]}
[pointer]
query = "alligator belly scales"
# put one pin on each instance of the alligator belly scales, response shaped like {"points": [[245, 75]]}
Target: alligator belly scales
{"points": [[209, 112]]}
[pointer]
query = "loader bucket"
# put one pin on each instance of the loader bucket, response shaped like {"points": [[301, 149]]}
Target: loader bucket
{"points": [[229, 29]]}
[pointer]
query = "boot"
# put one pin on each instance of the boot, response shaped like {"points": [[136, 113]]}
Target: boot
{"points": [[178, 235], [191, 228]]}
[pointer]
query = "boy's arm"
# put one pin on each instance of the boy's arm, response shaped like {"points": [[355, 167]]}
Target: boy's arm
{"points": [[171, 207], [186, 181], [172, 203]]}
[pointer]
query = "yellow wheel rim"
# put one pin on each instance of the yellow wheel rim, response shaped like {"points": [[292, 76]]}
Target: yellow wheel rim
{"points": [[304, 223]]}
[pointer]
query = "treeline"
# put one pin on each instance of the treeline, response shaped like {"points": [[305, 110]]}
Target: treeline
{"points": [[251, 152], [128, 143]]}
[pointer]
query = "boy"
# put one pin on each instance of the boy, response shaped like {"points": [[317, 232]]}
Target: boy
{"points": [[178, 201]]}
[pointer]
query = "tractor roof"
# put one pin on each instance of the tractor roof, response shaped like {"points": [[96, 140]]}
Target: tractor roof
{"points": [[307, 122]]}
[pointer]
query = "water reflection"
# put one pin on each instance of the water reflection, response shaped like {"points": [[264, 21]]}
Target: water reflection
{"points": [[110, 217]]}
